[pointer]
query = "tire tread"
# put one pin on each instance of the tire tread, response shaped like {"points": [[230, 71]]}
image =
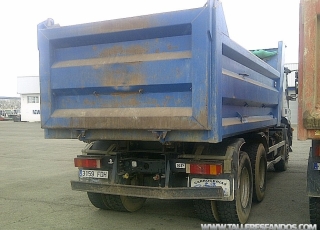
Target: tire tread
{"points": [[98, 200], [252, 150], [203, 210], [115, 203], [227, 210]]}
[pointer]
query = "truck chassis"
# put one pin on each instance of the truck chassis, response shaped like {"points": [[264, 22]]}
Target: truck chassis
{"points": [[224, 177]]}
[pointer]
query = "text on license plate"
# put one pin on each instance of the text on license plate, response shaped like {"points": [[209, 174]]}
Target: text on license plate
{"points": [[93, 174], [201, 182]]}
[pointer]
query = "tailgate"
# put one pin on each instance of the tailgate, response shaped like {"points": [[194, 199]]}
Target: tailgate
{"points": [[148, 72]]}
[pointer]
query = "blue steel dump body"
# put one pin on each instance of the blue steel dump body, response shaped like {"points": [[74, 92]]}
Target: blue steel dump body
{"points": [[175, 74]]}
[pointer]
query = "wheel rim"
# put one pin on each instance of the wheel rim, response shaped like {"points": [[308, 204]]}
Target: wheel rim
{"points": [[244, 187], [132, 204], [262, 173]]}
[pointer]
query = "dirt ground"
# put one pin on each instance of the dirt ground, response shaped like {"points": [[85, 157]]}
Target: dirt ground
{"points": [[36, 193]]}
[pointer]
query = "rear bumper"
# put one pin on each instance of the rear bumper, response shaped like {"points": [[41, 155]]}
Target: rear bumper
{"points": [[151, 192]]}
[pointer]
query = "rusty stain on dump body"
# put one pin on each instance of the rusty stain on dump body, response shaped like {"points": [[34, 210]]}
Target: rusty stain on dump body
{"points": [[126, 101], [136, 58], [123, 77], [89, 102], [123, 24], [121, 51], [171, 47], [179, 118]]}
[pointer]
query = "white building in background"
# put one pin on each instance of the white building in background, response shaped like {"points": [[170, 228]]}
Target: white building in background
{"points": [[29, 89]]}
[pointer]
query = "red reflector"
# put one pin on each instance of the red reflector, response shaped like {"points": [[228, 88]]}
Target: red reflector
{"points": [[199, 169], [208, 169], [87, 163]]}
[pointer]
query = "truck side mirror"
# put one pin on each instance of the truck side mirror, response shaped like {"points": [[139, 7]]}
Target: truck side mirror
{"points": [[296, 82]]}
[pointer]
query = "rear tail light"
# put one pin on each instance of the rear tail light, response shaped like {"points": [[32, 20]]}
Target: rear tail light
{"points": [[204, 169], [87, 162]]}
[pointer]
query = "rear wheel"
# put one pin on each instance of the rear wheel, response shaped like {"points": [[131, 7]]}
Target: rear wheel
{"points": [[125, 203], [282, 165], [206, 210], [314, 209], [98, 200], [258, 158], [238, 210], [114, 202]]}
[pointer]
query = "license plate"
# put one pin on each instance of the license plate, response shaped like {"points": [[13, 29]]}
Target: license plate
{"points": [[201, 182], [93, 174]]}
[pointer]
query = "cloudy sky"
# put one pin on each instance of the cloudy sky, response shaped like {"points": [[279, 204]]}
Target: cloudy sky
{"points": [[252, 23]]}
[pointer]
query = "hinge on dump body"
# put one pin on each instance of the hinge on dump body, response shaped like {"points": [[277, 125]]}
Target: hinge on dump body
{"points": [[243, 119], [82, 135], [160, 135]]}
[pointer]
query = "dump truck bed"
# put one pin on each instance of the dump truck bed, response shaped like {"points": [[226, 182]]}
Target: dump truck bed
{"points": [[309, 78], [177, 75]]}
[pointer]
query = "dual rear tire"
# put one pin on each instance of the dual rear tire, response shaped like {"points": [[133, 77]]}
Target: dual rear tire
{"points": [[113, 202], [116, 202], [258, 158]]}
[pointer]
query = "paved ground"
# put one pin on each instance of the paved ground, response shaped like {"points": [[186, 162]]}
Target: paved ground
{"points": [[36, 194]]}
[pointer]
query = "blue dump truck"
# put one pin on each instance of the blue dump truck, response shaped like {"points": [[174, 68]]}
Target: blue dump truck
{"points": [[169, 107]]}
